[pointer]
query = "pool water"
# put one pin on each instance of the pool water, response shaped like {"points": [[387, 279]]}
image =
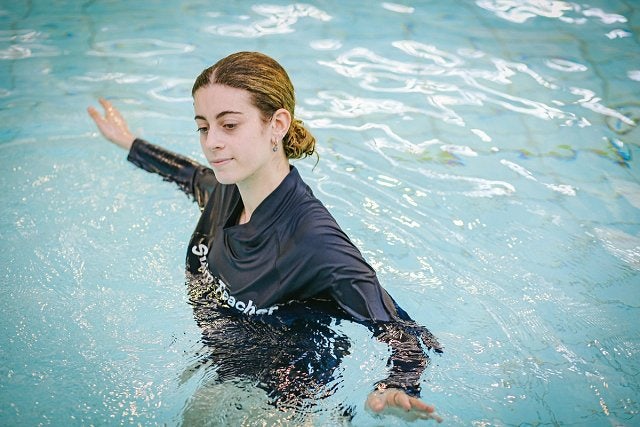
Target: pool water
{"points": [[484, 156]]}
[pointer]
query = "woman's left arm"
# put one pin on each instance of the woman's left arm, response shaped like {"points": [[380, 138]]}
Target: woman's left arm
{"points": [[361, 296], [399, 393], [353, 284]]}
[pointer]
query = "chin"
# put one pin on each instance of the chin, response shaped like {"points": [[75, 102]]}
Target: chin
{"points": [[225, 178]]}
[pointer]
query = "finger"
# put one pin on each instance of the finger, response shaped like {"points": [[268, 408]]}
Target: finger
{"points": [[375, 402], [378, 405], [430, 416], [419, 404], [95, 115], [111, 113], [403, 401], [108, 107], [434, 416], [393, 399]]}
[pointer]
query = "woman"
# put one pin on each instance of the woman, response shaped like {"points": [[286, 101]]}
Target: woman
{"points": [[264, 243]]}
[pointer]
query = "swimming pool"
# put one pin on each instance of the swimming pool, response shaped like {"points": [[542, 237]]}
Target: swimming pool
{"points": [[483, 156]]}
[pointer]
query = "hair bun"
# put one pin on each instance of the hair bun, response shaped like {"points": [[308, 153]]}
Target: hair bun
{"points": [[298, 142]]}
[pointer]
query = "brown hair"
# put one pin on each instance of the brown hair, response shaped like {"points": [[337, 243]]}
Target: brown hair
{"points": [[271, 89]]}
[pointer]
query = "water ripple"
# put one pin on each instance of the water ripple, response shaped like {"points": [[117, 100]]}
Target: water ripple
{"points": [[138, 48], [565, 189], [21, 44], [277, 20], [605, 18], [398, 8], [121, 78], [520, 11], [443, 85], [629, 120], [22, 51], [326, 44], [618, 34], [592, 102], [449, 82], [22, 36], [564, 65], [621, 245], [634, 75], [627, 189], [344, 105], [173, 90], [466, 185]]}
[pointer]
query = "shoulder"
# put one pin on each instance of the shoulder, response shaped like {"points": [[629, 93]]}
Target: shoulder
{"points": [[311, 230], [313, 222]]}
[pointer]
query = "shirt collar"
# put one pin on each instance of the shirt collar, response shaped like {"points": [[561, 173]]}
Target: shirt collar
{"points": [[272, 207]]}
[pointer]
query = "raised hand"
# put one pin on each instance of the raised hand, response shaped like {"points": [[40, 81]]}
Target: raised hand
{"points": [[112, 125]]}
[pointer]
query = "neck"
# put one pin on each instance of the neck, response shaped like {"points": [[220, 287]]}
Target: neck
{"points": [[254, 191]]}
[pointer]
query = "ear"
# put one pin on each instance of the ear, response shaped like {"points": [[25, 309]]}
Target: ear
{"points": [[280, 122]]}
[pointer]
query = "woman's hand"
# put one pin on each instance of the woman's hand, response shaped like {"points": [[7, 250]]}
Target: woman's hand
{"points": [[112, 125], [396, 402]]}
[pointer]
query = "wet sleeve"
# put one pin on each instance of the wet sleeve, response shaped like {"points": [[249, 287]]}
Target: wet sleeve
{"points": [[369, 304], [355, 287], [192, 178], [409, 343]]}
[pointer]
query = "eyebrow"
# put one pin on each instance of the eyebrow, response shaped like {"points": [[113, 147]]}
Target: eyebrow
{"points": [[221, 114]]}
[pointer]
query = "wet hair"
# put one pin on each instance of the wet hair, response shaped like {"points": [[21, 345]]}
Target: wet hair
{"points": [[271, 89]]}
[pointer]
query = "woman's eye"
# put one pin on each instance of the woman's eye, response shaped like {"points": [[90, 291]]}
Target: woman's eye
{"points": [[202, 130], [229, 125]]}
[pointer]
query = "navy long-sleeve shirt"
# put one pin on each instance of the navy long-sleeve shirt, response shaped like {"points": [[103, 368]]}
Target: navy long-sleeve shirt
{"points": [[292, 251]]}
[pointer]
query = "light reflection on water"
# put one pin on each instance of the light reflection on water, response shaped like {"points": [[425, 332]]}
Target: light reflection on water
{"points": [[275, 20], [481, 155]]}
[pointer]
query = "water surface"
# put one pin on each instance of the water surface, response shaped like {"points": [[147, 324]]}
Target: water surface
{"points": [[483, 156]]}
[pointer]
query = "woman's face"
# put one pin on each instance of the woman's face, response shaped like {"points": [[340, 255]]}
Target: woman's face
{"points": [[235, 139]]}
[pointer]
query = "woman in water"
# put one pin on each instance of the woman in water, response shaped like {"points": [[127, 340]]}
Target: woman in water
{"points": [[265, 249]]}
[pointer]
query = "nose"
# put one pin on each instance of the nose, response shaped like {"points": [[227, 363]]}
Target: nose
{"points": [[212, 141]]}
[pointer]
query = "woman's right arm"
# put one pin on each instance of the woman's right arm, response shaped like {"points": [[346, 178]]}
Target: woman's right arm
{"points": [[192, 178], [112, 125]]}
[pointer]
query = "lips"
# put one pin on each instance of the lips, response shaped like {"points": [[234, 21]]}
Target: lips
{"points": [[219, 162]]}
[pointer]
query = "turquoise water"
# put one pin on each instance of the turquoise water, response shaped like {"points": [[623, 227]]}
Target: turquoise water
{"points": [[482, 154]]}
